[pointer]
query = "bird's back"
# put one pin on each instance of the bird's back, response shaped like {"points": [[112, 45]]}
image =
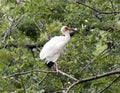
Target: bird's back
{"points": [[53, 48]]}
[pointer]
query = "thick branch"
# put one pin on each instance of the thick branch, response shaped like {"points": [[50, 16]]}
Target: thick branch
{"points": [[93, 78], [100, 12]]}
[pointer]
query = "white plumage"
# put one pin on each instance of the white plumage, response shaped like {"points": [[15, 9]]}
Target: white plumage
{"points": [[54, 47]]}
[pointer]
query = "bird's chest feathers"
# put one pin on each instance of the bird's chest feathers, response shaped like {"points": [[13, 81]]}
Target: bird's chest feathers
{"points": [[59, 43], [63, 41]]}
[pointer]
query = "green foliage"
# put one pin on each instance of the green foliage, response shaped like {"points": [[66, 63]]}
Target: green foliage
{"points": [[28, 28], [97, 41]]}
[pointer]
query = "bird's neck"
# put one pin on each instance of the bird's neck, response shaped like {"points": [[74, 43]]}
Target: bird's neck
{"points": [[67, 36]]}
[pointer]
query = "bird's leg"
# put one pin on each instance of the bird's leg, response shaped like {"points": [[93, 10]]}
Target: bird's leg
{"points": [[55, 68]]}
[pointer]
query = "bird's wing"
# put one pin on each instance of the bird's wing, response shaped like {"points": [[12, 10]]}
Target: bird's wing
{"points": [[52, 48]]}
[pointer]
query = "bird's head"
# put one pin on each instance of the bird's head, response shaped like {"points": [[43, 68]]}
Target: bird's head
{"points": [[65, 29]]}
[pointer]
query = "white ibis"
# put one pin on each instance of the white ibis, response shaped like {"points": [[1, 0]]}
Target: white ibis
{"points": [[54, 47]]}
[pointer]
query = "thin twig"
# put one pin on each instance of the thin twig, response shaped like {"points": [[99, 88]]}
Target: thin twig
{"points": [[86, 66], [12, 27], [65, 74], [21, 80], [92, 78], [110, 84], [16, 45], [27, 72], [8, 32], [43, 78], [101, 53], [43, 71], [112, 5]]}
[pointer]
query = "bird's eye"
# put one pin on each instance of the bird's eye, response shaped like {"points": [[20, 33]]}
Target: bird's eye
{"points": [[66, 28]]}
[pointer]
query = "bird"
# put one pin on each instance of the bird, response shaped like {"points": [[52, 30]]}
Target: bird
{"points": [[52, 50]]}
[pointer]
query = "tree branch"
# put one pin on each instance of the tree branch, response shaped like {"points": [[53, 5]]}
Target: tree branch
{"points": [[110, 84], [12, 26], [112, 5], [99, 12], [16, 45], [30, 71], [43, 78], [9, 30], [92, 78], [90, 62], [65, 74], [43, 71]]}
